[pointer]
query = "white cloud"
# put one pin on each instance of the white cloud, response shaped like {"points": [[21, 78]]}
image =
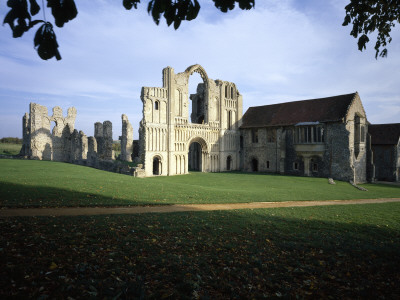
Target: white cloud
{"points": [[280, 51]]}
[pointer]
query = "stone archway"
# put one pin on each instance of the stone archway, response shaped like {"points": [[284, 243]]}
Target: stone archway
{"points": [[157, 166], [197, 155], [229, 163]]}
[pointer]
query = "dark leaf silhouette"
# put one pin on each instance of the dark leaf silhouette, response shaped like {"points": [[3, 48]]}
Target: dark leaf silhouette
{"points": [[173, 11], [225, 5], [128, 4], [35, 8], [371, 16], [63, 11], [46, 42], [18, 17]]}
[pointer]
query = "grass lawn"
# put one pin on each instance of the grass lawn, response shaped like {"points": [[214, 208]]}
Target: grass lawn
{"points": [[342, 252], [46, 183], [9, 149]]}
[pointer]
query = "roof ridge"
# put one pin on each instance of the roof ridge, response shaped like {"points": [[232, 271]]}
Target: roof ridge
{"points": [[297, 101], [384, 124]]}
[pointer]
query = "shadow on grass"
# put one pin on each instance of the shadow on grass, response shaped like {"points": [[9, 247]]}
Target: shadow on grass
{"points": [[247, 254], [19, 195]]}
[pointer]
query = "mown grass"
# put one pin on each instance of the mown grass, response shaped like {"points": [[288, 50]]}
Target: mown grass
{"points": [[338, 252], [9, 149], [45, 183]]}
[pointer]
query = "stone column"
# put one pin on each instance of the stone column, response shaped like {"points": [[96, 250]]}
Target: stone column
{"points": [[126, 139], [108, 141]]}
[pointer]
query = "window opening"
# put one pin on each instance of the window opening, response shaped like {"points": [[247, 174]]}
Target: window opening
{"points": [[362, 134], [197, 101], [309, 134], [254, 135], [295, 166], [53, 127], [271, 135], [156, 105]]}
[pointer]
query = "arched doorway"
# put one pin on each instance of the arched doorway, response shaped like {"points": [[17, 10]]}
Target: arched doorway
{"points": [[157, 167], [195, 157], [228, 163], [254, 165]]}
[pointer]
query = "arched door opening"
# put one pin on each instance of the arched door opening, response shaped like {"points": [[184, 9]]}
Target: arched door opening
{"points": [[197, 101], [195, 157], [254, 165], [157, 168], [228, 163]]}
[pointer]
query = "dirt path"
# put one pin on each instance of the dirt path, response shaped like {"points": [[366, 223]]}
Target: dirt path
{"points": [[85, 211]]}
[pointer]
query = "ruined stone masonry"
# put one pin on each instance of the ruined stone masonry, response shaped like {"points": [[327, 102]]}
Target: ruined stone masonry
{"points": [[174, 140], [326, 137], [54, 138], [126, 139]]}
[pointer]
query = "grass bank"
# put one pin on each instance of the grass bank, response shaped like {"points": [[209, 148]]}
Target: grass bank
{"points": [[339, 252], [45, 183]]}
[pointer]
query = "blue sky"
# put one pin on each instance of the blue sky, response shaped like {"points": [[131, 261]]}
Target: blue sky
{"points": [[283, 50]]}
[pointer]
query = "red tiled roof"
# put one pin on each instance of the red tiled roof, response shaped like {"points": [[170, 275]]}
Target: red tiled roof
{"points": [[328, 109], [384, 134]]}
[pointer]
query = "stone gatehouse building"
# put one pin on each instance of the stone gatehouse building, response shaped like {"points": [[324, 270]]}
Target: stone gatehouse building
{"points": [[326, 137]]}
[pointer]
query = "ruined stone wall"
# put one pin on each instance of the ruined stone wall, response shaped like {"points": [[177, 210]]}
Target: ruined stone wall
{"points": [[64, 143], [26, 132], [126, 139], [92, 152], [103, 136], [40, 142]]}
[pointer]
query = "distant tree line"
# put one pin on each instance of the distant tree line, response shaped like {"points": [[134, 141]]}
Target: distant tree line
{"points": [[11, 140], [116, 146]]}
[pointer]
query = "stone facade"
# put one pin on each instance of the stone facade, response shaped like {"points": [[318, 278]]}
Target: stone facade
{"points": [[385, 154], [310, 143], [173, 140], [327, 137]]}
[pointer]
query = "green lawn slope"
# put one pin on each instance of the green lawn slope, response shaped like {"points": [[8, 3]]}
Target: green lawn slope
{"points": [[52, 184]]}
